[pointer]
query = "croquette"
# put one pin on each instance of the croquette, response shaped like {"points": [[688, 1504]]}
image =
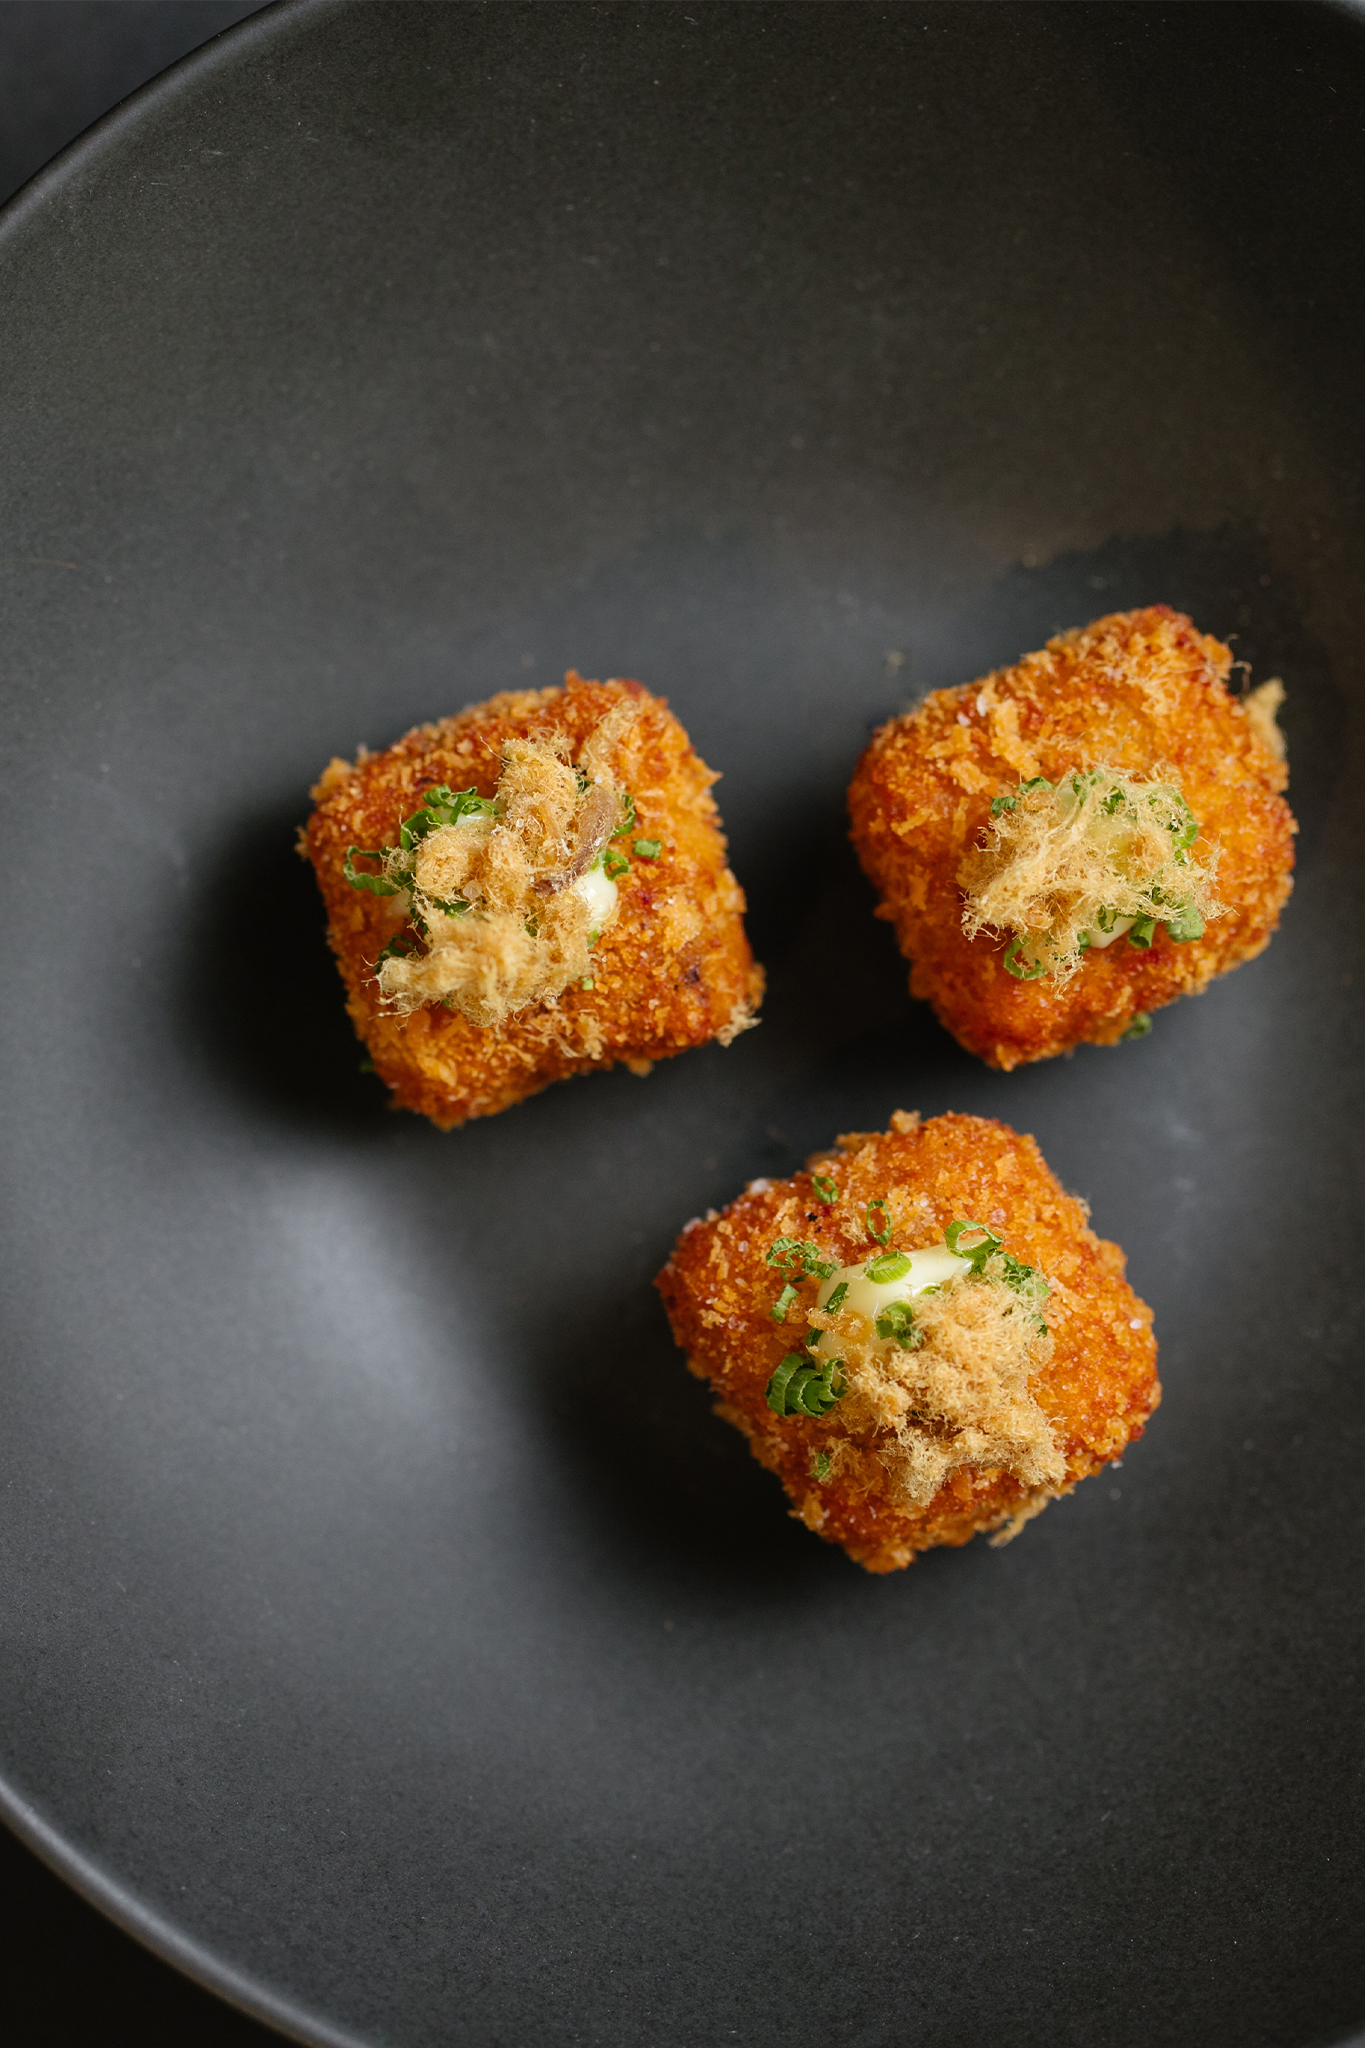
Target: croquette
{"points": [[1066, 845], [533, 889], [919, 1335]]}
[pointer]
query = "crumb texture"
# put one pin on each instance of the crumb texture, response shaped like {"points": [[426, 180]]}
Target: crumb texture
{"points": [[991, 1415], [517, 975], [1141, 698]]}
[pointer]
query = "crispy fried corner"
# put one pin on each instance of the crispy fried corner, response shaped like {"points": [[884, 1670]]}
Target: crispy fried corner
{"points": [[1140, 691], [672, 970], [1093, 1384]]}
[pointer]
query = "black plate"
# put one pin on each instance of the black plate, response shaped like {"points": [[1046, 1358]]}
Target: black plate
{"points": [[392, 1636]]}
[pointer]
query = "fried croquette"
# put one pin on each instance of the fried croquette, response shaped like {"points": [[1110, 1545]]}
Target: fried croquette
{"points": [[919, 1335], [533, 889], [1066, 845]]}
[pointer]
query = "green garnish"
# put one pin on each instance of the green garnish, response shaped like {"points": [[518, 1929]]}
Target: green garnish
{"points": [[975, 1254], [836, 1300], [797, 1255], [398, 948], [896, 1322], [615, 865], [367, 1066], [1142, 931], [813, 1338], [882, 1236], [378, 885], [1184, 827], [819, 1465], [797, 1388], [627, 816], [1140, 1026], [443, 806], [825, 1190], [649, 849], [783, 1302], [887, 1266], [587, 982], [1184, 923], [1012, 963], [1007, 803]]}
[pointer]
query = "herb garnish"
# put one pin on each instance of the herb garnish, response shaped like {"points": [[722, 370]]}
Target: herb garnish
{"points": [[783, 1303], [797, 1388], [883, 1236], [896, 1323], [825, 1190]]}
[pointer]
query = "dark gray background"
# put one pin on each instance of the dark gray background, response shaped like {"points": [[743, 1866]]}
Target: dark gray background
{"points": [[395, 1621], [71, 1975]]}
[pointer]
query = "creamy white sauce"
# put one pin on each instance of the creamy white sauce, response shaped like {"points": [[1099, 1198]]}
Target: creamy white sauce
{"points": [[1099, 940], [932, 1267], [599, 892]]}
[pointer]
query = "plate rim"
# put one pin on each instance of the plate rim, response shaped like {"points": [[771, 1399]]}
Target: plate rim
{"points": [[118, 1902]]}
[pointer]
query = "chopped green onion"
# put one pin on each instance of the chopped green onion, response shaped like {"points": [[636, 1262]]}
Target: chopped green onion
{"points": [[1185, 923], [649, 849], [398, 948], [797, 1388], [454, 906], [1184, 828], [777, 1386], [587, 982], [887, 1266], [627, 816], [825, 1190], [1012, 963], [1112, 802], [378, 885], [1142, 931], [896, 1323], [977, 1254], [1007, 803], [1140, 1026], [836, 1300], [882, 1236], [796, 1255], [615, 865], [783, 1302], [443, 806], [813, 1338], [819, 1465]]}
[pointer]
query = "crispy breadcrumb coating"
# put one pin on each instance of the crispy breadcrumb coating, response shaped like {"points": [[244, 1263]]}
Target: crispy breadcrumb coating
{"points": [[1141, 695], [671, 968], [968, 1433]]}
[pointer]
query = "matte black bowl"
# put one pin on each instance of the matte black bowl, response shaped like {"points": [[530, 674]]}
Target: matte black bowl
{"points": [[392, 1636]]}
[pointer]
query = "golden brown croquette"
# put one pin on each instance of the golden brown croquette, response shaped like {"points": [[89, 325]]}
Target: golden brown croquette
{"points": [[1006, 825], [533, 889], [899, 1418]]}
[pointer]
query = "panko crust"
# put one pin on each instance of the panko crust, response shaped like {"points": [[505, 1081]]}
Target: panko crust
{"points": [[1097, 1388], [1140, 691], [672, 970]]}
